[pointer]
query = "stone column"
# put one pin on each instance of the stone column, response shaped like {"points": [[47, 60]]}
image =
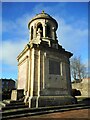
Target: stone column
{"points": [[66, 76], [38, 78], [34, 31], [61, 69], [29, 74], [32, 72], [53, 33], [32, 76], [39, 73], [44, 70], [44, 30], [29, 34]]}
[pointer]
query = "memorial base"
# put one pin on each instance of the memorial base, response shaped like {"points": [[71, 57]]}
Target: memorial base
{"points": [[47, 101]]}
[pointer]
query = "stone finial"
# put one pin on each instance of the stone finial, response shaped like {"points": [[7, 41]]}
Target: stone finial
{"points": [[43, 11]]}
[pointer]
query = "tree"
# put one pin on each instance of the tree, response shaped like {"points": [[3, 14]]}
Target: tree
{"points": [[78, 69]]}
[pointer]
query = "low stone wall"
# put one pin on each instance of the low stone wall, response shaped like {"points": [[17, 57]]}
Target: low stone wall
{"points": [[83, 87]]}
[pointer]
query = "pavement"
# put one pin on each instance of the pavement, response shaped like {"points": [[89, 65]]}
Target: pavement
{"points": [[82, 114]]}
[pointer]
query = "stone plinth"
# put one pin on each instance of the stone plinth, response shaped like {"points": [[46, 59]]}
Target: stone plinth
{"points": [[17, 94], [44, 101]]}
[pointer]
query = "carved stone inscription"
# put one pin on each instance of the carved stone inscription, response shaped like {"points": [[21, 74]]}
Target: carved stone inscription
{"points": [[54, 67]]}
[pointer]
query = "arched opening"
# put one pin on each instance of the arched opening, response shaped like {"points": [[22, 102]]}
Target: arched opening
{"points": [[39, 26], [48, 31], [31, 32]]}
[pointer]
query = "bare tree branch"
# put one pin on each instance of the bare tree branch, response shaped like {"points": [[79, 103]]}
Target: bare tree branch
{"points": [[78, 69]]}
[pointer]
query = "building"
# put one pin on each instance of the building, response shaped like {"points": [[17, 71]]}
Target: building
{"points": [[7, 84], [44, 66]]}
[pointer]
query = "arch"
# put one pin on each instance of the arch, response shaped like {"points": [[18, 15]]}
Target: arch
{"points": [[48, 30], [39, 25], [31, 32]]}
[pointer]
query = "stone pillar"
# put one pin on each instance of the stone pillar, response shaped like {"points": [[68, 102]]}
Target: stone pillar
{"points": [[29, 74], [34, 31], [68, 77], [29, 34], [38, 78], [53, 33], [43, 71], [61, 68], [39, 73], [44, 30], [26, 87], [64, 75], [32, 72], [32, 76]]}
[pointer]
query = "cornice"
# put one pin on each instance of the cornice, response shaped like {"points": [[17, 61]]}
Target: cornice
{"points": [[27, 47]]}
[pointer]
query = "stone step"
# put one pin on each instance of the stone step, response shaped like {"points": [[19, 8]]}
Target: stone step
{"points": [[12, 101], [2, 104], [8, 107], [19, 110], [22, 105], [40, 111], [44, 108], [13, 104]]}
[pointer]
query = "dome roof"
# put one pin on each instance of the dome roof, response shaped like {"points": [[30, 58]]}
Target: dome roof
{"points": [[43, 15]]}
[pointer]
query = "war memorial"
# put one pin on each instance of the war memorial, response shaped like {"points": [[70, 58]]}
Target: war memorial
{"points": [[44, 66], [44, 81]]}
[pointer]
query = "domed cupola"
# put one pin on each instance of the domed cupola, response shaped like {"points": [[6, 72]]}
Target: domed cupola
{"points": [[43, 28]]}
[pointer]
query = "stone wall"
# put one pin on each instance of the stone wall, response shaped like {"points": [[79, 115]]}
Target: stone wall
{"points": [[83, 87]]}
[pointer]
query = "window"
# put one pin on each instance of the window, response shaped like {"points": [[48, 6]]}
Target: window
{"points": [[54, 67], [48, 31]]}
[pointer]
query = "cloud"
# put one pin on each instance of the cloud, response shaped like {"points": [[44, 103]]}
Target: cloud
{"points": [[14, 39], [72, 38], [17, 28], [11, 50]]}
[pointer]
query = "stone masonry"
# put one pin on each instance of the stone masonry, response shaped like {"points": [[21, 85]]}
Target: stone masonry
{"points": [[44, 66]]}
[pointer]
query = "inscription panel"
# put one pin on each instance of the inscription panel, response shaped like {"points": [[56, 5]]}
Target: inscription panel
{"points": [[54, 67]]}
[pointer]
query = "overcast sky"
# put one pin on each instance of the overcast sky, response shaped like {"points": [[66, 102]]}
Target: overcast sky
{"points": [[72, 30]]}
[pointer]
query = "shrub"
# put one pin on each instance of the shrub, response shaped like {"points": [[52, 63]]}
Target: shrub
{"points": [[76, 92]]}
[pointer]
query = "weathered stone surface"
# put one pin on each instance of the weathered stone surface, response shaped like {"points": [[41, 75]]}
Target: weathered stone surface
{"points": [[17, 94], [83, 87], [44, 101], [43, 66]]}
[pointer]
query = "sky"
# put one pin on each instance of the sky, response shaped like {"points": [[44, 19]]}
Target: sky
{"points": [[72, 33]]}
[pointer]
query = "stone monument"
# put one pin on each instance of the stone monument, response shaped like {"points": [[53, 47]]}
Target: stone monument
{"points": [[44, 66]]}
